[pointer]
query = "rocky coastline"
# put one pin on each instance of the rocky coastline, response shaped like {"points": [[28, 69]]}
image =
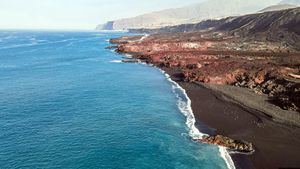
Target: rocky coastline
{"points": [[243, 80], [238, 146], [273, 74], [195, 62]]}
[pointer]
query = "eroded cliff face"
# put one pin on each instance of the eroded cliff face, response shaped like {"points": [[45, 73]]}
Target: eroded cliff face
{"points": [[189, 14], [268, 68], [276, 26]]}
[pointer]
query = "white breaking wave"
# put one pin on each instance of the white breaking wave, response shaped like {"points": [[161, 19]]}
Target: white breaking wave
{"points": [[185, 106], [113, 31], [144, 37], [128, 56], [116, 61], [225, 155]]}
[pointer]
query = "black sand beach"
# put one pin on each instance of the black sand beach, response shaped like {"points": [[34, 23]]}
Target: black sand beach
{"points": [[277, 145]]}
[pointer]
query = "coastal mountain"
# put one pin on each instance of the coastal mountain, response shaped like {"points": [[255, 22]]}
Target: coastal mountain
{"points": [[252, 61], [292, 2], [256, 51], [285, 4], [275, 23], [239, 62], [276, 26], [210, 9], [278, 7]]}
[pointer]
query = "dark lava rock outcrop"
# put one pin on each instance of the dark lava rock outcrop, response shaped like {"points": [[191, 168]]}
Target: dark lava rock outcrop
{"points": [[231, 144]]}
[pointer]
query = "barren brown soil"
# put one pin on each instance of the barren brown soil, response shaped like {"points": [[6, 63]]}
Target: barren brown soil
{"points": [[229, 63]]}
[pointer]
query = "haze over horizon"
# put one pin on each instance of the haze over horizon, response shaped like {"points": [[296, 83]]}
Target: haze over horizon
{"points": [[79, 14]]}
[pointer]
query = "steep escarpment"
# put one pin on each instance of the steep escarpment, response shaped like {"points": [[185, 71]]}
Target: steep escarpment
{"points": [[292, 2], [271, 26], [210, 9], [278, 26], [185, 27], [278, 7]]}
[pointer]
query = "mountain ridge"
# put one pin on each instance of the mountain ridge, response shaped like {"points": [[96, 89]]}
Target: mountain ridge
{"points": [[278, 7], [291, 2], [210, 9], [272, 26]]}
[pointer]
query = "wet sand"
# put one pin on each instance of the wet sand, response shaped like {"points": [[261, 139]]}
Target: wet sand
{"points": [[277, 145]]}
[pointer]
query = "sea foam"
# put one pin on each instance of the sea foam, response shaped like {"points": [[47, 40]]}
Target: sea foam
{"points": [[185, 106], [144, 37], [116, 61]]}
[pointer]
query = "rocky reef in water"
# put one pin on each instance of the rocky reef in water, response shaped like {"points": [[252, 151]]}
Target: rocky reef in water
{"points": [[231, 144]]}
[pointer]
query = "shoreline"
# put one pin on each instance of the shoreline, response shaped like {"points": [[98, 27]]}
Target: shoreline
{"points": [[219, 111], [191, 122], [251, 116], [231, 160], [231, 118], [195, 125]]}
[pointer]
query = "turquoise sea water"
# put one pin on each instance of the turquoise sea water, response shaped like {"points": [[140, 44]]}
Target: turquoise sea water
{"points": [[66, 103]]}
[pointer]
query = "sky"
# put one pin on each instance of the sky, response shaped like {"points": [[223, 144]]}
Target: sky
{"points": [[76, 14]]}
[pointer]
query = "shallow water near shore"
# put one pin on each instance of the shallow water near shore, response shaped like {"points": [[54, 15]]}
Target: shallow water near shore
{"points": [[65, 102]]}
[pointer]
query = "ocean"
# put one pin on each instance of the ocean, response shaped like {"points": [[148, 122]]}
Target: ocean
{"points": [[67, 102]]}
